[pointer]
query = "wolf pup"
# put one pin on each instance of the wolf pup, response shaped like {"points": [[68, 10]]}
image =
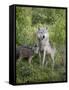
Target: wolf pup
{"points": [[44, 45], [26, 52]]}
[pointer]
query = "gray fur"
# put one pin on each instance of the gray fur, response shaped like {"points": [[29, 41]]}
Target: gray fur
{"points": [[44, 45], [26, 52]]}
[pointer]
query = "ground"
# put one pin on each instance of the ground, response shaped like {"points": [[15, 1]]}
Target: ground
{"points": [[33, 73]]}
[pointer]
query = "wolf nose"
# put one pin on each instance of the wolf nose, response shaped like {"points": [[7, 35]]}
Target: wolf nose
{"points": [[43, 36]]}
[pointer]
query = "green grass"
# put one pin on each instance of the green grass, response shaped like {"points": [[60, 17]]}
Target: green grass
{"points": [[26, 73]]}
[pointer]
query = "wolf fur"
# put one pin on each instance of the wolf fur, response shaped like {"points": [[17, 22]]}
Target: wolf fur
{"points": [[44, 45], [26, 52]]}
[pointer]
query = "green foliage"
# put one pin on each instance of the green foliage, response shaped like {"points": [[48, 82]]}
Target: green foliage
{"points": [[27, 21], [26, 73]]}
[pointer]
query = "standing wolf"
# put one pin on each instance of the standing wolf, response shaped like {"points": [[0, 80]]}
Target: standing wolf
{"points": [[44, 45], [25, 51]]}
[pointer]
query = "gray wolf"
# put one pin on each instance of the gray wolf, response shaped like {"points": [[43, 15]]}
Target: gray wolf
{"points": [[44, 45], [25, 51]]}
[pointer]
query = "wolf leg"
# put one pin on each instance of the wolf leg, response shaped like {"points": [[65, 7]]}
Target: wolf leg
{"points": [[20, 58], [44, 54], [40, 58], [52, 56], [30, 59]]}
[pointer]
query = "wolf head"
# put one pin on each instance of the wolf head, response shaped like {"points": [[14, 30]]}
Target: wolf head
{"points": [[42, 33], [35, 48]]}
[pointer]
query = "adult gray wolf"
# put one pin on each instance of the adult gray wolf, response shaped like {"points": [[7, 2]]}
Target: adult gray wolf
{"points": [[44, 45]]}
